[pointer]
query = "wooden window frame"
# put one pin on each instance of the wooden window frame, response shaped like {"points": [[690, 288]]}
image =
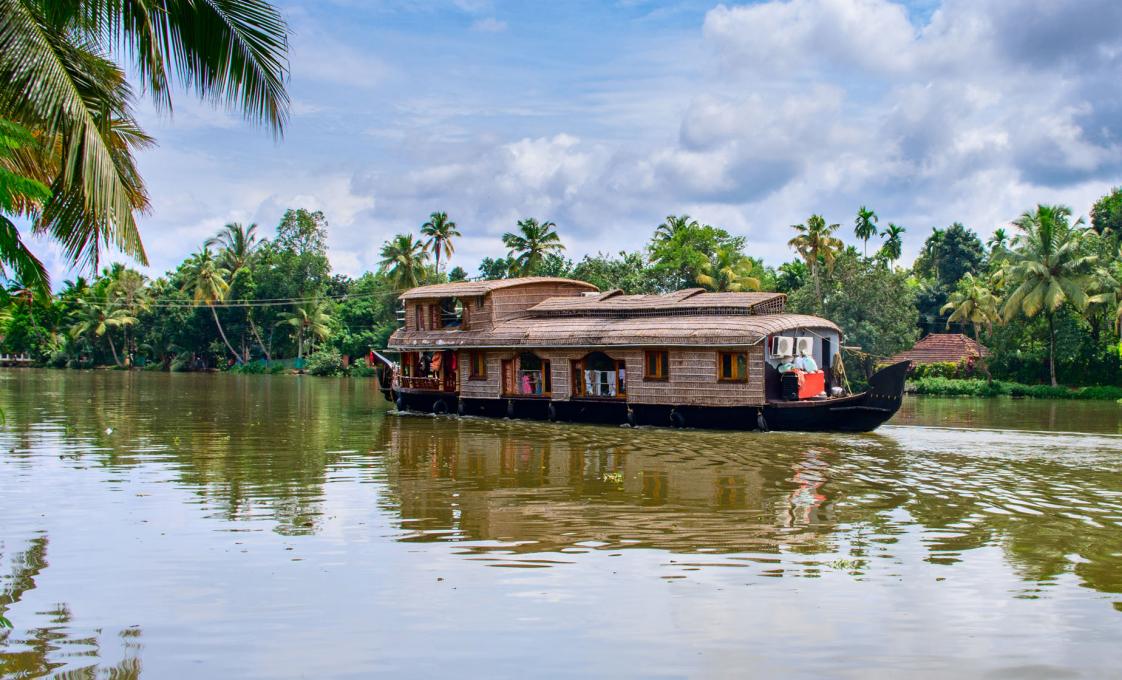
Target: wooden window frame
{"points": [[481, 357], [736, 378], [512, 367], [662, 376], [419, 316], [436, 322]]}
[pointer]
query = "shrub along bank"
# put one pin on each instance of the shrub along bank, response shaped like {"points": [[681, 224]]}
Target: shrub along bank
{"points": [[957, 387]]}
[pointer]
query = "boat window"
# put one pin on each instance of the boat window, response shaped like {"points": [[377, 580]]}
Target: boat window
{"points": [[657, 364], [478, 366], [419, 316], [434, 317], [531, 376], [599, 375], [451, 313], [732, 366]]}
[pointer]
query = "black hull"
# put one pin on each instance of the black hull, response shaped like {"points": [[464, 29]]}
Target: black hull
{"points": [[862, 412]]}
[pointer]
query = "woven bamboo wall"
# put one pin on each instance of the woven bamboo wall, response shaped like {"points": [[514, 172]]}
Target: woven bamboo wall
{"points": [[693, 377], [511, 302], [488, 388]]}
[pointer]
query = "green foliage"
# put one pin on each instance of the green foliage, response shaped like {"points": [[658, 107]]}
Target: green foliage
{"points": [[681, 250], [326, 361], [56, 78], [873, 305], [944, 369], [949, 254], [628, 272], [981, 388], [530, 245], [1106, 215]]}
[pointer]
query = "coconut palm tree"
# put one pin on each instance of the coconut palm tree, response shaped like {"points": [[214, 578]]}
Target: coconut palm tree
{"points": [[531, 244], [404, 260], [729, 270], [236, 246], [973, 302], [58, 78], [893, 243], [207, 284], [440, 231], [674, 226], [97, 318], [816, 242], [19, 195], [311, 320], [1047, 269], [999, 240], [865, 226]]}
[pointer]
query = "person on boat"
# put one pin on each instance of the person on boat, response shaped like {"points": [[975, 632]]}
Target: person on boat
{"points": [[806, 363]]}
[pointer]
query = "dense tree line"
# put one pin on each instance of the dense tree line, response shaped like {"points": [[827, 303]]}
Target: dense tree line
{"points": [[1043, 293]]}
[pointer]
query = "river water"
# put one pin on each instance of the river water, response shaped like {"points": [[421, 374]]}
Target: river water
{"points": [[173, 526]]}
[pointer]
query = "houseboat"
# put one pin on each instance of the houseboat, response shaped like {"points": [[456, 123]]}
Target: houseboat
{"points": [[558, 349]]}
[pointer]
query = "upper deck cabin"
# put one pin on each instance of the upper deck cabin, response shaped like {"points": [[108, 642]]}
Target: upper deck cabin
{"points": [[479, 305], [563, 340]]}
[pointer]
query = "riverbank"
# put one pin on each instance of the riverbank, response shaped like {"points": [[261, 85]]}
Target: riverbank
{"points": [[960, 387]]}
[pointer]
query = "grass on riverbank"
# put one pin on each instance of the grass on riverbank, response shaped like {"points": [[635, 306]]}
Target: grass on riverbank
{"points": [[958, 387]]}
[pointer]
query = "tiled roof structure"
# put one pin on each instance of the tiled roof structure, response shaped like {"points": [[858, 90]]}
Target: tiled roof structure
{"points": [[942, 347]]}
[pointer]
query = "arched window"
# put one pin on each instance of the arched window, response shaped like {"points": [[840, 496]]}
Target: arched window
{"points": [[599, 375]]}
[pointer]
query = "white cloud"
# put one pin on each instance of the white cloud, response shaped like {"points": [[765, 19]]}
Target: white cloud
{"points": [[489, 25]]}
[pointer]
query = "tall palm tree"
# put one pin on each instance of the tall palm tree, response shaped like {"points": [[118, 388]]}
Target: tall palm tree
{"points": [[673, 226], [207, 284], [529, 247], [58, 78], [236, 245], [865, 226], [19, 195], [98, 318], [729, 270], [440, 231], [816, 242], [1047, 269], [311, 320], [404, 260], [893, 242], [999, 240]]}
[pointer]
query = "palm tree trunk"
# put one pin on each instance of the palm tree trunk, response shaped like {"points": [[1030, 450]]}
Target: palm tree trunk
{"points": [[253, 329], [223, 334], [113, 349], [1052, 348], [817, 283]]}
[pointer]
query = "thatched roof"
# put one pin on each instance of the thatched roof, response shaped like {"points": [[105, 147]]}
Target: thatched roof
{"points": [[942, 347], [688, 301], [641, 331], [473, 288]]}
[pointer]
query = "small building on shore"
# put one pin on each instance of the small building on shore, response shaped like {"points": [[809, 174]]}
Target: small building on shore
{"points": [[938, 348]]}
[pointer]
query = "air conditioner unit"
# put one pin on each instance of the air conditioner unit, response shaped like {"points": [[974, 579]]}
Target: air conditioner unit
{"points": [[805, 345], [783, 347]]}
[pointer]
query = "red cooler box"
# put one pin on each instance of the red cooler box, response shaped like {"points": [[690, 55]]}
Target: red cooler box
{"points": [[812, 385]]}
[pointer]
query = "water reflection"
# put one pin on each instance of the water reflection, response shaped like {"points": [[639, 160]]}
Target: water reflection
{"points": [[277, 472], [520, 488], [54, 647]]}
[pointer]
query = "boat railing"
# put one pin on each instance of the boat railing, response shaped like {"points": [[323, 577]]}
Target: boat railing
{"points": [[429, 383]]}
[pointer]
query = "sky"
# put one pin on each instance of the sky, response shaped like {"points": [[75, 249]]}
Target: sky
{"points": [[604, 117]]}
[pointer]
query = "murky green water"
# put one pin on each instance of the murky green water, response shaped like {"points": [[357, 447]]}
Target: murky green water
{"points": [[216, 526]]}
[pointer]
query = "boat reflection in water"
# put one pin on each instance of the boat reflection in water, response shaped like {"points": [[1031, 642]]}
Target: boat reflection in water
{"points": [[512, 488], [542, 488]]}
